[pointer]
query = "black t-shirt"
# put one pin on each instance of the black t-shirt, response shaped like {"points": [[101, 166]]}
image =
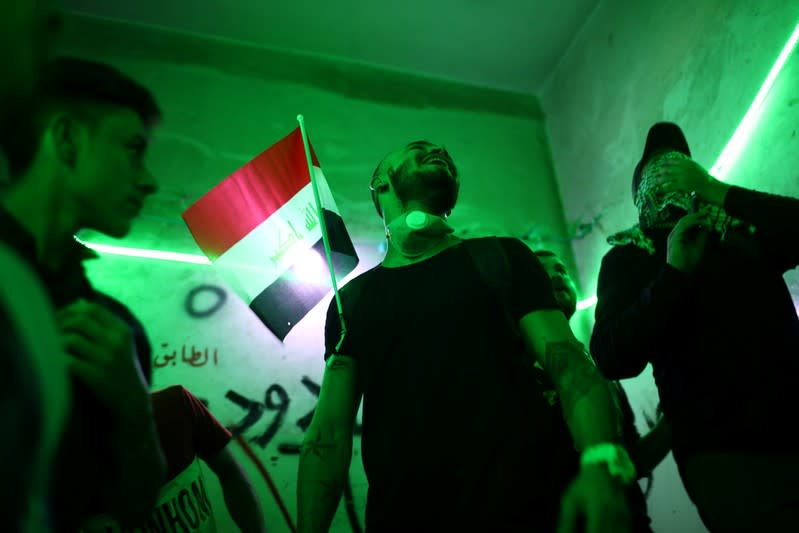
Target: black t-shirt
{"points": [[452, 434], [84, 456], [723, 342]]}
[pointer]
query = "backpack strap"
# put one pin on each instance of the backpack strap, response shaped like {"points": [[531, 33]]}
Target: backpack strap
{"points": [[492, 262]]}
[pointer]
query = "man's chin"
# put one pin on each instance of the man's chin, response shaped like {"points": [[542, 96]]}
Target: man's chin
{"points": [[436, 175], [116, 230], [567, 305]]}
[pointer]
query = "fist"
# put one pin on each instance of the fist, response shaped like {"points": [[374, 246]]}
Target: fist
{"points": [[101, 353], [686, 242]]}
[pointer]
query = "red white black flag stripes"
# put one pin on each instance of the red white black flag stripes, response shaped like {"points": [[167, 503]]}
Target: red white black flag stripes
{"points": [[261, 229]]}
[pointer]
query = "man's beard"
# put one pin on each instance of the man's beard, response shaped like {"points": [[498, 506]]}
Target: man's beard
{"points": [[567, 304], [433, 177]]}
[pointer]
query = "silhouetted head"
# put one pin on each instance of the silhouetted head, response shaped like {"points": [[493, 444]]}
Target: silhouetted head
{"points": [[86, 135], [562, 284], [656, 207]]}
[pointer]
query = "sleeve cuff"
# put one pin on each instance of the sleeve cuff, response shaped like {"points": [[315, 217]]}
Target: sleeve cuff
{"points": [[735, 197]]}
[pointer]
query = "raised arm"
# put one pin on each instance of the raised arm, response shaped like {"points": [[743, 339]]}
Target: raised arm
{"points": [[776, 222], [631, 310], [775, 218]]}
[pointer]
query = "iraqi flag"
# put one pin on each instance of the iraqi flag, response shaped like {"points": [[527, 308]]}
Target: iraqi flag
{"points": [[261, 230]]}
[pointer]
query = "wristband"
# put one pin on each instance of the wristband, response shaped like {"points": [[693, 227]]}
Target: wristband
{"points": [[614, 457]]}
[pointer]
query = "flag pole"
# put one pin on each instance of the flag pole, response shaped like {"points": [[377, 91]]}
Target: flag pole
{"points": [[323, 227]]}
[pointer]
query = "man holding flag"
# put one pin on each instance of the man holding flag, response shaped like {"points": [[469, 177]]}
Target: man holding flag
{"points": [[433, 339]]}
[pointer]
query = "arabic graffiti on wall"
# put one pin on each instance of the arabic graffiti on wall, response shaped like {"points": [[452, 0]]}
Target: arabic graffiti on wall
{"points": [[197, 300], [288, 235], [275, 399], [204, 301], [189, 356]]}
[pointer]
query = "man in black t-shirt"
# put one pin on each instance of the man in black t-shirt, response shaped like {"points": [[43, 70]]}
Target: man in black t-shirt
{"points": [[696, 289], [454, 437], [76, 161]]}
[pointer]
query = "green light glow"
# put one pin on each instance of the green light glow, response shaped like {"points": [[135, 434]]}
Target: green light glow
{"points": [[739, 139], [309, 267], [742, 133], [147, 254], [585, 304], [720, 169]]}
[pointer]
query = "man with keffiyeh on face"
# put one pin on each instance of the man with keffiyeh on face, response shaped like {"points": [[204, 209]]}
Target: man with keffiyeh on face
{"points": [[696, 289]]}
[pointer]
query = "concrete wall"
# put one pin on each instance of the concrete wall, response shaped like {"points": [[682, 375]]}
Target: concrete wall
{"points": [[697, 63], [224, 103]]}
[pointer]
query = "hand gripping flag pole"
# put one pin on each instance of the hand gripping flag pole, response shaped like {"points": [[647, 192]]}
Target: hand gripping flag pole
{"points": [[323, 227]]}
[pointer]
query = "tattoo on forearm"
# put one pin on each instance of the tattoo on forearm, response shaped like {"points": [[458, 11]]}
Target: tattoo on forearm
{"points": [[317, 446], [569, 367]]}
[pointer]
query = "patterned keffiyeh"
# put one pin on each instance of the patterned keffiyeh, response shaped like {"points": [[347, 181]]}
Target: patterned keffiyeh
{"points": [[658, 209]]}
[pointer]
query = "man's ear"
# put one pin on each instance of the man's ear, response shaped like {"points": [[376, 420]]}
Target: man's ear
{"points": [[65, 131], [380, 186]]}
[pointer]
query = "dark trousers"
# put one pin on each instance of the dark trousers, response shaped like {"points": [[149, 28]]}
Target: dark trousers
{"points": [[744, 493]]}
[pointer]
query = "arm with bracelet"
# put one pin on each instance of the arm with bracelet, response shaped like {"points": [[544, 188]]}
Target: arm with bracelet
{"points": [[597, 494]]}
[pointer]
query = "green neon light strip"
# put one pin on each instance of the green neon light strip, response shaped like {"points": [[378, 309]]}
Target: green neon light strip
{"points": [[147, 254], [741, 136], [742, 133], [585, 304], [720, 169]]}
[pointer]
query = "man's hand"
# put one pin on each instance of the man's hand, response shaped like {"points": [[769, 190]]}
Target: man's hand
{"points": [[687, 176], [102, 355], [595, 502], [686, 243]]}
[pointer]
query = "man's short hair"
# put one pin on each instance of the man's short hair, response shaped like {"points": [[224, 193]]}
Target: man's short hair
{"points": [[86, 88]]}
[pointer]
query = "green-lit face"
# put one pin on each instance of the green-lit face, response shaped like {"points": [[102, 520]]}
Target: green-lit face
{"points": [[427, 159], [109, 181], [421, 160], [562, 284]]}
